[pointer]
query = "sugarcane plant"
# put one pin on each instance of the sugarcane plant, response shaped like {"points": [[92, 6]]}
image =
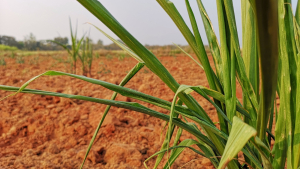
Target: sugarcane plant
{"points": [[86, 56], [75, 47], [265, 68]]}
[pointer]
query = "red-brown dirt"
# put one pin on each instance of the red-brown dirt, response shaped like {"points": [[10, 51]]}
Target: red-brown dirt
{"points": [[50, 132]]}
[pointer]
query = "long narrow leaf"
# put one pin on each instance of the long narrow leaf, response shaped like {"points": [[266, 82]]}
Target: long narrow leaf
{"points": [[250, 56], [131, 106], [296, 140], [189, 56], [203, 55], [121, 45], [133, 71], [281, 129], [242, 77], [178, 149], [99, 11], [165, 144], [212, 40]]}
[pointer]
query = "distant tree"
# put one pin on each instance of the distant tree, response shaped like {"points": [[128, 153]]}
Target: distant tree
{"points": [[62, 40], [8, 40], [113, 46], [100, 42], [30, 42], [20, 45], [46, 45], [89, 40], [98, 45], [49, 45]]}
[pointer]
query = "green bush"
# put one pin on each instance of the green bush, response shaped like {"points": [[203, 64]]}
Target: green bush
{"points": [[7, 48]]}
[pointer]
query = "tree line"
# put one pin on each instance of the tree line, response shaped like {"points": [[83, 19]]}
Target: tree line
{"points": [[30, 43]]}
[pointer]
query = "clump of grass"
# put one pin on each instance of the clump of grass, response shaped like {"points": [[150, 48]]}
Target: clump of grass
{"points": [[12, 55], [34, 60], [66, 62], [20, 60], [175, 52], [97, 56], [121, 56], [25, 71], [26, 54], [109, 56], [103, 69], [146, 71], [269, 64], [2, 62]]}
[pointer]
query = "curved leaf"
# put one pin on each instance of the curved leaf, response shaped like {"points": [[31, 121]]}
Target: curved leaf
{"points": [[121, 45], [239, 136], [184, 144], [133, 71], [127, 105]]}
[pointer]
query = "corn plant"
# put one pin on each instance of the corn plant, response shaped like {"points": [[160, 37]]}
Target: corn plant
{"points": [[73, 53], [268, 63], [86, 56]]}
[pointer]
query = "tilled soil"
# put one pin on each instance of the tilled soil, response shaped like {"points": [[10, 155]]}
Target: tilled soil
{"points": [[51, 132]]}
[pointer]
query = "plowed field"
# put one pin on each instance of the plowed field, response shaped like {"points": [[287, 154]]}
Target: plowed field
{"points": [[51, 132]]}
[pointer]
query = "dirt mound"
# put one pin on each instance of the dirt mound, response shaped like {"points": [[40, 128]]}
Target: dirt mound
{"points": [[50, 132]]}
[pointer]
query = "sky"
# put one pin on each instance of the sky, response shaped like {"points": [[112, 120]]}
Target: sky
{"points": [[144, 19]]}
